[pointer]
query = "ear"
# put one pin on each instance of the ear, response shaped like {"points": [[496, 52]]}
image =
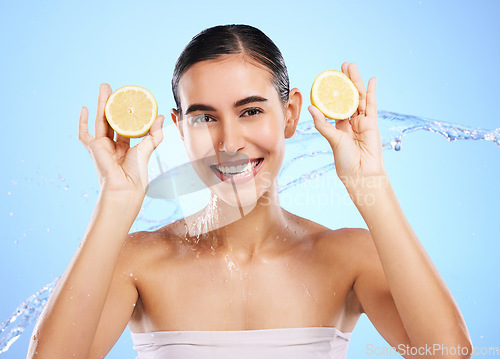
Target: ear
{"points": [[293, 112], [177, 121]]}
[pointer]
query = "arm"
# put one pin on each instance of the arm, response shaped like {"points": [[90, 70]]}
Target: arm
{"points": [[69, 321], [412, 304], [67, 327], [424, 303]]}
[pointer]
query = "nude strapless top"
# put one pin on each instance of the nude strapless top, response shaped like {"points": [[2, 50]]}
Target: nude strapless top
{"points": [[296, 343]]}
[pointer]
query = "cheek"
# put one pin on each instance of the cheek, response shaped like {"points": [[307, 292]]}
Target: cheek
{"points": [[198, 143], [270, 136]]}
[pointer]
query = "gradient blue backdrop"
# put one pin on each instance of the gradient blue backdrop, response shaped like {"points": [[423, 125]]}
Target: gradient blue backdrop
{"points": [[437, 59]]}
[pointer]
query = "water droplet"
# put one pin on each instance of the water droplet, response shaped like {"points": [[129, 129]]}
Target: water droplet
{"points": [[406, 123]]}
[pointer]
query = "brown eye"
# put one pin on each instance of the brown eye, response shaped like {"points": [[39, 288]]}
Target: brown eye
{"points": [[203, 118], [252, 112]]}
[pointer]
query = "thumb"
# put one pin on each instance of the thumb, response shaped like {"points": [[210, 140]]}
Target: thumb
{"points": [[154, 137], [326, 129]]}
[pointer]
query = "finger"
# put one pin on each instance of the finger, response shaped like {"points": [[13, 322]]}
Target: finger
{"points": [[83, 127], [356, 78], [154, 137], [111, 132], [371, 98], [326, 129], [345, 68], [122, 139], [101, 125]]}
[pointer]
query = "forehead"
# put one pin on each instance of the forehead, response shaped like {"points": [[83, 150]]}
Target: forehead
{"points": [[225, 80]]}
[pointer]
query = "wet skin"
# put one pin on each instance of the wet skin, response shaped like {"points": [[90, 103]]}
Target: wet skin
{"points": [[244, 262], [303, 278], [252, 273]]}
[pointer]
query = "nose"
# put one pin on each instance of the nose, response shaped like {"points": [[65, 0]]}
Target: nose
{"points": [[231, 138]]}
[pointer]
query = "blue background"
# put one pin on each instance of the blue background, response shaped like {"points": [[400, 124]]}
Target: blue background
{"points": [[436, 59]]}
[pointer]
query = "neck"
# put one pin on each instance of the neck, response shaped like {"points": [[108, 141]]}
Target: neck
{"points": [[244, 230]]}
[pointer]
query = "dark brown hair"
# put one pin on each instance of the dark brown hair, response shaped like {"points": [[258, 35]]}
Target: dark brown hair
{"points": [[233, 39]]}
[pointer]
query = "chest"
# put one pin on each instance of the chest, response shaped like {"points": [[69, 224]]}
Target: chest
{"points": [[225, 293]]}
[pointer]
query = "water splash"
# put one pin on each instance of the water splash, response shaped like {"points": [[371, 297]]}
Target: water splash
{"points": [[24, 315], [308, 143], [400, 125], [303, 161]]}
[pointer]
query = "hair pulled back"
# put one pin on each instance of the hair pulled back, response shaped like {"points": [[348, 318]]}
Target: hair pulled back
{"points": [[233, 39]]}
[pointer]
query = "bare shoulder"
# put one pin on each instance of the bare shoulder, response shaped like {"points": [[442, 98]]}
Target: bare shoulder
{"points": [[349, 241], [357, 242], [353, 247], [348, 238], [148, 246]]}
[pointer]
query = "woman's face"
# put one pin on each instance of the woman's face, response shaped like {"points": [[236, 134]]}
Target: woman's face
{"points": [[233, 126]]}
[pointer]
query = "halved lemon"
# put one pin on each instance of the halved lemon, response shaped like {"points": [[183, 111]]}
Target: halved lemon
{"points": [[335, 95], [131, 111]]}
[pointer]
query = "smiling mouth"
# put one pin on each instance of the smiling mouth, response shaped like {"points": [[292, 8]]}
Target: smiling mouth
{"points": [[236, 169]]}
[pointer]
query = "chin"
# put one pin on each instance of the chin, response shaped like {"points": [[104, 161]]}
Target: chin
{"points": [[237, 196]]}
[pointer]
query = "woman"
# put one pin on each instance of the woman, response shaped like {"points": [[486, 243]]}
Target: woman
{"points": [[244, 278]]}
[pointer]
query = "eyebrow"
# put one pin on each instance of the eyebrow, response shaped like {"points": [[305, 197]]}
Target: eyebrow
{"points": [[248, 100], [239, 103], [198, 107]]}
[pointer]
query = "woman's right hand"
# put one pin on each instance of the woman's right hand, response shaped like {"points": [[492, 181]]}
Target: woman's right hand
{"points": [[119, 167]]}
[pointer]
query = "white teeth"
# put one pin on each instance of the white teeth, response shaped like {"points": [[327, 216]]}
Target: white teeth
{"points": [[238, 170]]}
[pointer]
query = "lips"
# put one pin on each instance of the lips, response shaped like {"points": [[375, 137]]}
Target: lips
{"points": [[237, 171]]}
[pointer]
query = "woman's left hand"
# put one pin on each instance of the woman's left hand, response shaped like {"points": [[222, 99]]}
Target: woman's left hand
{"points": [[356, 143]]}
